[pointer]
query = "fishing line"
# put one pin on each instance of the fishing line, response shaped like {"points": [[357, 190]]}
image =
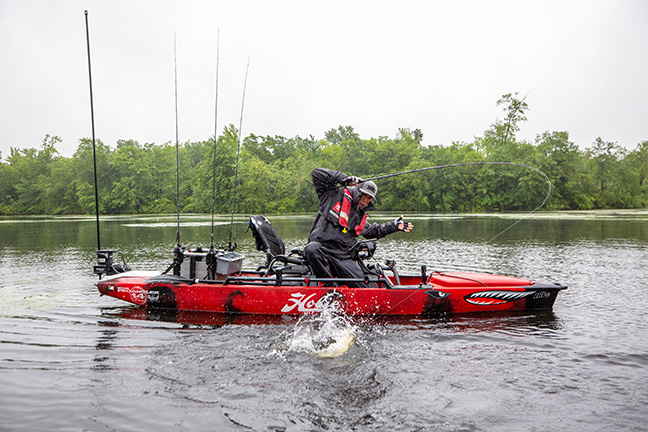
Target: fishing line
{"points": [[215, 139], [480, 163], [94, 150], [175, 66], [238, 154]]}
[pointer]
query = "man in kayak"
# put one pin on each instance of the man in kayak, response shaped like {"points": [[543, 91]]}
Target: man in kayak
{"points": [[343, 205]]}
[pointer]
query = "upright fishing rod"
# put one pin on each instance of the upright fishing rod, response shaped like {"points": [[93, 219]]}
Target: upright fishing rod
{"points": [[175, 67], [478, 163], [94, 150], [213, 209], [238, 154]]}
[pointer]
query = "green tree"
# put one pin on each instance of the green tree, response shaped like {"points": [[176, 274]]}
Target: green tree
{"points": [[637, 162], [565, 165], [83, 169], [499, 138], [200, 180], [611, 178], [30, 172], [341, 134]]}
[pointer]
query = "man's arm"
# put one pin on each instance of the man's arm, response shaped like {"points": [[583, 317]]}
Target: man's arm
{"points": [[376, 230], [325, 179]]}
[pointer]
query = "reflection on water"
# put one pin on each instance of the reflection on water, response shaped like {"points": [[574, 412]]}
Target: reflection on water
{"points": [[491, 321], [196, 319], [72, 360]]}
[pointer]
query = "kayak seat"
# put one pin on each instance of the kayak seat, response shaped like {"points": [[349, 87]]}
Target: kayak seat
{"points": [[268, 240]]}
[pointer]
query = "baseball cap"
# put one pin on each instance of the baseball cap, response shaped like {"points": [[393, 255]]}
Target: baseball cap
{"points": [[368, 188]]}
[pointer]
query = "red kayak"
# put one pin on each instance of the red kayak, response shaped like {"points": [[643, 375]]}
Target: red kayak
{"points": [[213, 281]]}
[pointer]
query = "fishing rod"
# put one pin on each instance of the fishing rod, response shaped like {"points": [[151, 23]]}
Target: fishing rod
{"points": [[478, 163], [238, 153], [215, 140], [94, 149], [175, 67], [468, 164]]}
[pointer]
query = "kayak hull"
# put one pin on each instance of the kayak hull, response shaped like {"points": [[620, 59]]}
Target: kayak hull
{"points": [[249, 293]]}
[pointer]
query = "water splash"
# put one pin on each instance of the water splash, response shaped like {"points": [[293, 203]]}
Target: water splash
{"points": [[323, 335]]}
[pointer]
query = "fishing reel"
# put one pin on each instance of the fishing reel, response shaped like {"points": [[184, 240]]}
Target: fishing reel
{"points": [[363, 250]]}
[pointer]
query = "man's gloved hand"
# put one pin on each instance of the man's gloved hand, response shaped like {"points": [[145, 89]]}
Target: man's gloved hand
{"points": [[351, 181], [403, 225]]}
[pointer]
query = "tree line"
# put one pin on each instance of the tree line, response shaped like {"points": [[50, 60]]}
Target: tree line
{"points": [[274, 173]]}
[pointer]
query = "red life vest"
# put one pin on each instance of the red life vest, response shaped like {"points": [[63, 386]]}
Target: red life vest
{"points": [[341, 212]]}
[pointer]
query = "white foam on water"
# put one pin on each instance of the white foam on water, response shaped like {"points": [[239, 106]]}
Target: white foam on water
{"points": [[323, 335]]}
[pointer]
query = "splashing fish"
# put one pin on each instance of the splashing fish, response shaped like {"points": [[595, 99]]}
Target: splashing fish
{"points": [[323, 335]]}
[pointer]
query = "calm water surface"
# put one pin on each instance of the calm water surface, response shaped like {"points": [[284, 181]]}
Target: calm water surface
{"points": [[72, 360]]}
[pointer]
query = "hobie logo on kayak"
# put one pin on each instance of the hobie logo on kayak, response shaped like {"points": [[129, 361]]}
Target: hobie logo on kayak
{"points": [[304, 303]]}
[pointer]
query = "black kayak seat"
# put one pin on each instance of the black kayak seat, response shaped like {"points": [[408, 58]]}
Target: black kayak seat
{"points": [[266, 237], [268, 240]]}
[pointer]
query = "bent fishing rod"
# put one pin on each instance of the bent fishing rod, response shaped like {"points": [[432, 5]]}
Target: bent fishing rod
{"points": [[468, 164], [380, 177]]}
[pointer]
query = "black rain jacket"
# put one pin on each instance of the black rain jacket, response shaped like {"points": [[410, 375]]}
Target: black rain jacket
{"points": [[327, 229]]}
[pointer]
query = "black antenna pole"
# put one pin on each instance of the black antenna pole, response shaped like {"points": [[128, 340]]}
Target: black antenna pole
{"points": [[94, 150], [215, 139], [175, 67], [238, 154]]}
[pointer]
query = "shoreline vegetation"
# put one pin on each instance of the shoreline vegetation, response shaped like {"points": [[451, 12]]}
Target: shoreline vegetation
{"points": [[274, 173], [224, 219]]}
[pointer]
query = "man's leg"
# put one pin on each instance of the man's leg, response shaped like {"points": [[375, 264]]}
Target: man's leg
{"points": [[325, 265], [347, 268], [318, 260]]}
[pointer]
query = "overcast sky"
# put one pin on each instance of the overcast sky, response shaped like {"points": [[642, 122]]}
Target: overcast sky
{"points": [[439, 66]]}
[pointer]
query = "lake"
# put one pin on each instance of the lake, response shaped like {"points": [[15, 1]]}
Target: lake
{"points": [[73, 360]]}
